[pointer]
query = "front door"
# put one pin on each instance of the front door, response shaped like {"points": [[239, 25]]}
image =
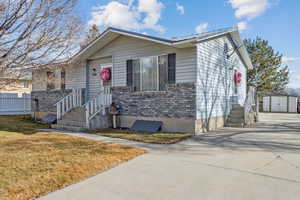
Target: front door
{"points": [[279, 104], [95, 82]]}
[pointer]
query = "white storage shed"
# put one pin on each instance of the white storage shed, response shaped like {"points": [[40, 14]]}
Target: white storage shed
{"points": [[287, 104]]}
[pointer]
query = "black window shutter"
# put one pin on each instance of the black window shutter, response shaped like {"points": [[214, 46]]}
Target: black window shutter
{"points": [[136, 75], [172, 68], [129, 69]]}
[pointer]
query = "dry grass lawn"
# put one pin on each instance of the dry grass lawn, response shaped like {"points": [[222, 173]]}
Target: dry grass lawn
{"points": [[155, 138], [34, 163]]}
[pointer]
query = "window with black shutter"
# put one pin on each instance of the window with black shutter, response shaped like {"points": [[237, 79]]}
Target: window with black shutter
{"points": [[151, 73], [129, 70], [136, 75]]}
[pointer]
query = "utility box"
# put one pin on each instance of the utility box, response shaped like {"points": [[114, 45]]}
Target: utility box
{"points": [[283, 104]]}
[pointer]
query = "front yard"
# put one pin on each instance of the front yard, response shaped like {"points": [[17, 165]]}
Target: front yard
{"points": [[33, 163]]}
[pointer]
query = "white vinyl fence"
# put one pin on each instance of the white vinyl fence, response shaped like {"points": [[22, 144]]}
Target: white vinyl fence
{"points": [[12, 104]]}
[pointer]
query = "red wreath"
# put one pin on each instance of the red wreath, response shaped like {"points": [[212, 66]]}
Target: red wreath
{"points": [[105, 74], [237, 77]]}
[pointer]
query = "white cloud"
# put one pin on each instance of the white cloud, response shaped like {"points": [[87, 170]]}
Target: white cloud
{"points": [[115, 14], [201, 27], [249, 8], [124, 14], [242, 25], [180, 8], [152, 9], [286, 59]]}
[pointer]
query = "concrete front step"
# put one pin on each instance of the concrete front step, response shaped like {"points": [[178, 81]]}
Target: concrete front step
{"points": [[237, 106], [69, 128], [77, 114], [235, 125], [71, 122], [235, 120], [73, 118], [237, 111], [236, 115]]}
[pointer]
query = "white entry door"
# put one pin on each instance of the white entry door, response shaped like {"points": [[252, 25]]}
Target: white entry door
{"points": [[95, 82]]}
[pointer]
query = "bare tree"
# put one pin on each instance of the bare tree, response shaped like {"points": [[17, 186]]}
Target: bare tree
{"points": [[37, 32], [91, 35]]}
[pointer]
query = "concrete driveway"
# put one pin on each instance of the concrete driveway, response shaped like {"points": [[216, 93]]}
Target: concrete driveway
{"points": [[230, 164]]}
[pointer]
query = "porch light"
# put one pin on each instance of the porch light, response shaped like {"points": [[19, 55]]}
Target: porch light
{"points": [[94, 72]]}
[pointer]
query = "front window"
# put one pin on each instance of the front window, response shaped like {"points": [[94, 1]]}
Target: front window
{"points": [[149, 74]]}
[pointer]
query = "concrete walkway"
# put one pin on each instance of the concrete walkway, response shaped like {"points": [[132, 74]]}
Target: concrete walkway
{"points": [[149, 147], [230, 164]]}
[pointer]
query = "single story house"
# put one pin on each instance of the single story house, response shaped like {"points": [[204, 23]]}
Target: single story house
{"points": [[190, 84], [15, 82]]}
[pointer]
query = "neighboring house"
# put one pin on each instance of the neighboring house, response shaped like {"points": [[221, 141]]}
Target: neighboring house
{"points": [[15, 85], [15, 81], [190, 84]]}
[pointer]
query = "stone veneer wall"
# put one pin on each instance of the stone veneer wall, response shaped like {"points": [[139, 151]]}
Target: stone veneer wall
{"points": [[178, 101], [47, 100]]}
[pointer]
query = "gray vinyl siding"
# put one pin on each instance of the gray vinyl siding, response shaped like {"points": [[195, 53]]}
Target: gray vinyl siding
{"points": [[95, 82], [75, 76], [39, 80], [124, 48], [215, 82]]}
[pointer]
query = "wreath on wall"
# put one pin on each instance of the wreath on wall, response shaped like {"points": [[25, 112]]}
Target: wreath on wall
{"points": [[105, 74], [237, 77]]}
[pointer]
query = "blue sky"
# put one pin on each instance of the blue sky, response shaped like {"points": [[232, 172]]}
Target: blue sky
{"points": [[275, 20]]}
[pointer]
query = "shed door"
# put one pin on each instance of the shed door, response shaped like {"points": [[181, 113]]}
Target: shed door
{"points": [[279, 104], [266, 104]]}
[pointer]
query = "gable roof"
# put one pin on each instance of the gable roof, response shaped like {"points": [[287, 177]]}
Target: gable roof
{"points": [[180, 42], [171, 42]]}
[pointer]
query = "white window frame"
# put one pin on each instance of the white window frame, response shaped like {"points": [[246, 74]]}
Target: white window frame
{"points": [[157, 70]]}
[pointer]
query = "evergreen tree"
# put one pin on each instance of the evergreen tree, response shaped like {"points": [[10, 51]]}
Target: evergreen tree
{"points": [[268, 75], [92, 34]]}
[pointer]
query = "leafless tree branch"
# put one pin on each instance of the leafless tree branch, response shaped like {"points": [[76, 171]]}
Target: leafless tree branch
{"points": [[37, 32]]}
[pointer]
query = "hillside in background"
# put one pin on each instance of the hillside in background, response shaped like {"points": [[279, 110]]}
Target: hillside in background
{"points": [[293, 91]]}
